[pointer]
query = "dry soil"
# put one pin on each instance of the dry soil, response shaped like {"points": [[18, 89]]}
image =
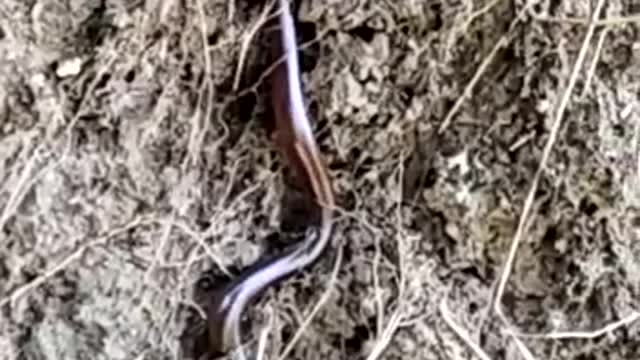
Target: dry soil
{"points": [[134, 159]]}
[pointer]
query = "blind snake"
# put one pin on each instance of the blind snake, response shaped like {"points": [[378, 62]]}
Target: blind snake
{"points": [[294, 136]]}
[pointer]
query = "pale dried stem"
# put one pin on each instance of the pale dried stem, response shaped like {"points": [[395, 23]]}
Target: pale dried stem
{"points": [[525, 215], [318, 306], [468, 90], [461, 332]]}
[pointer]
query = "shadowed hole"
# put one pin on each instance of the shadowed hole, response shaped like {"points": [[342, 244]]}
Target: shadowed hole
{"points": [[308, 56]]}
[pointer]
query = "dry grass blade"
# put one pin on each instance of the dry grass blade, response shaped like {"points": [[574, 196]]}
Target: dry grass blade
{"points": [[200, 124], [524, 217], [318, 306], [467, 92], [396, 320], [265, 16], [594, 61], [524, 351], [27, 179], [387, 335], [476, 14], [262, 341], [582, 334], [611, 21], [461, 332], [164, 240], [67, 261]]}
